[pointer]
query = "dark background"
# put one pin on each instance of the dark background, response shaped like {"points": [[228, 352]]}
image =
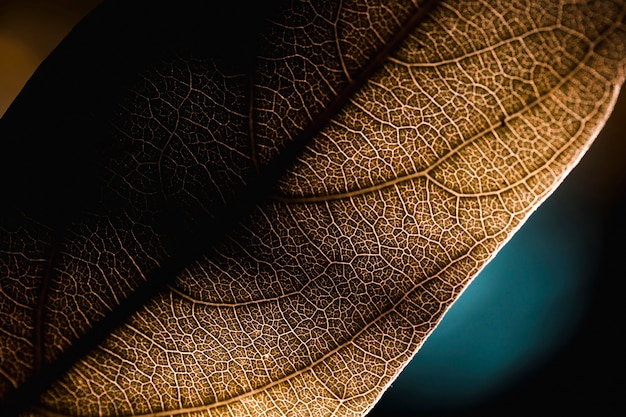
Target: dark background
{"points": [[539, 330]]}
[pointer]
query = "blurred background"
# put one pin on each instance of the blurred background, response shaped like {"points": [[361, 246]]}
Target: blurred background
{"points": [[539, 329], [29, 30]]}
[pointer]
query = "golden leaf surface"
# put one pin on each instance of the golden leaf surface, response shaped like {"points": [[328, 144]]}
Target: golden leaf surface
{"points": [[411, 167]]}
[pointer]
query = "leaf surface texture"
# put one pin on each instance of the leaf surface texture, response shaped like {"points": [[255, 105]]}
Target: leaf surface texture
{"points": [[401, 173]]}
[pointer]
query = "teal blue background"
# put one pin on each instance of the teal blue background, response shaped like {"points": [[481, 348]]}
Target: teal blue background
{"points": [[540, 327]]}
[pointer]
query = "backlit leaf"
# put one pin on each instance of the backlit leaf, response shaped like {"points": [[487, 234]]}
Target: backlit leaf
{"points": [[265, 211]]}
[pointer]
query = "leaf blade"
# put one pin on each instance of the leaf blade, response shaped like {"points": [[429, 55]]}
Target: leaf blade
{"points": [[276, 237]]}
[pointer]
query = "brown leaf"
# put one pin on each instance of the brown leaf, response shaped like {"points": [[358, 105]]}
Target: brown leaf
{"points": [[274, 225]]}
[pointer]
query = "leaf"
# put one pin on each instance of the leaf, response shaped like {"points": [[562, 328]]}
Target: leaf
{"points": [[221, 216]]}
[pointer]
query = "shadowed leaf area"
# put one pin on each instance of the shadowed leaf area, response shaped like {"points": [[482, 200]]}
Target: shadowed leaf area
{"points": [[266, 209]]}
